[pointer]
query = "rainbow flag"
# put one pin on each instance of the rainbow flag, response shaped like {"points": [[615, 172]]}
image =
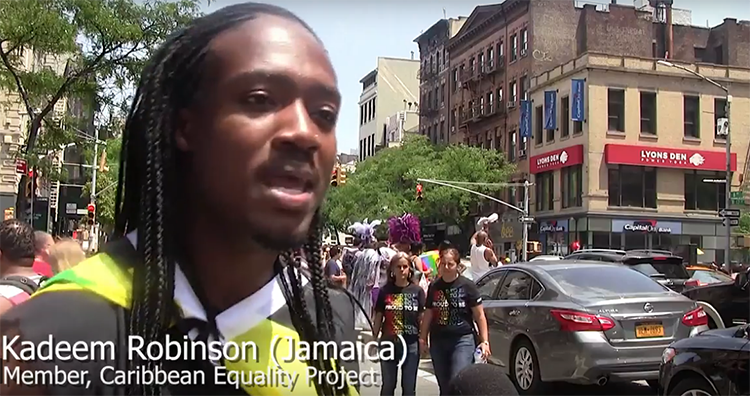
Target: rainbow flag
{"points": [[429, 260]]}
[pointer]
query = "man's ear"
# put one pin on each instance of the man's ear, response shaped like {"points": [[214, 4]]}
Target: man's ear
{"points": [[184, 131]]}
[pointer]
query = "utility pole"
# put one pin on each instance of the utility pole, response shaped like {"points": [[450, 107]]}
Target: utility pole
{"points": [[94, 231], [525, 219]]}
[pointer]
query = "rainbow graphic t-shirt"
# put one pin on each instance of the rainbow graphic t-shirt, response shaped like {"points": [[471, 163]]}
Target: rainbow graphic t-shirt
{"points": [[451, 305], [401, 308]]}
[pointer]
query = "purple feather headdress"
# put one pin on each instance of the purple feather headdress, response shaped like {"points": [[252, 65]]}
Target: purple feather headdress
{"points": [[404, 229], [364, 230]]}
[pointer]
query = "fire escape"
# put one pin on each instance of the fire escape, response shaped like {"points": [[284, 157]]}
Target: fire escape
{"points": [[478, 82]]}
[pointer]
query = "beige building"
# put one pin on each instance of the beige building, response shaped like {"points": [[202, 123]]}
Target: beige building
{"points": [[393, 86], [14, 121], [624, 153]]}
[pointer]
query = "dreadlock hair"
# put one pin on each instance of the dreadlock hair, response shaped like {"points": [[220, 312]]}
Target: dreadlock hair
{"points": [[148, 183]]}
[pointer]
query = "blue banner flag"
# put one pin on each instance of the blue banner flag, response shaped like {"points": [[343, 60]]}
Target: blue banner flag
{"points": [[576, 110], [525, 122], [550, 110]]}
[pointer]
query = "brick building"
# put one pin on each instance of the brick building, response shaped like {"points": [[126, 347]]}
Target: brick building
{"points": [[624, 151], [433, 72]]}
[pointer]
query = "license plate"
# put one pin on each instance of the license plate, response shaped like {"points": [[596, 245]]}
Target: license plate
{"points": [[649, 330]]}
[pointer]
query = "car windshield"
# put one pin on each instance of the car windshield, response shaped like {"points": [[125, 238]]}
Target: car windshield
{"points": [[600, 281], [707, 277], [659, 267]]}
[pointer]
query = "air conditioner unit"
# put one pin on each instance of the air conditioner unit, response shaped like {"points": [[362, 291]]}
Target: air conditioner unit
{"points": [[453, 129], [722, 126], [522, 153], [511, 104], [523, 52]]}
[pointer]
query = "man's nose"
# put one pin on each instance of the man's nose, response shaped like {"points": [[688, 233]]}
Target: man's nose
{"points": [[299, 128]]}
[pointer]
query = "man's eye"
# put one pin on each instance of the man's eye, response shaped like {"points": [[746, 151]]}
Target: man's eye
{"points": [[259, 99], [328, 116]]}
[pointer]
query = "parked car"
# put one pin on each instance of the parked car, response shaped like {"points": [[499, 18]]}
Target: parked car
{"points": [[586, 324], [712, 363], [662, 266]]}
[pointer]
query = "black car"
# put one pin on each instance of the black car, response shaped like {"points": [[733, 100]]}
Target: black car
{"points": [[728, 301], [712, 363], [662, 266]]}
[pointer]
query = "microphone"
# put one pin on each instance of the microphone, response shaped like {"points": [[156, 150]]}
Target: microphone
{"points": [[482, 379]]}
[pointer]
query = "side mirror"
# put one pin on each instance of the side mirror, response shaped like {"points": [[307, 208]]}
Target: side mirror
{"points": [[741, 280]]}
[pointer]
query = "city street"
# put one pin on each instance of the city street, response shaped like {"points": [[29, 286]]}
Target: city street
{"points": [[427, 384]]}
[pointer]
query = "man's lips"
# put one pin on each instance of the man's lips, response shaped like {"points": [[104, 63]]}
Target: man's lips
{"points": [[289, 191]]}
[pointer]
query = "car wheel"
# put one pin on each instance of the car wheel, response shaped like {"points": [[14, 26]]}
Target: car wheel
{"points": [[524, 371], [692, 386]]}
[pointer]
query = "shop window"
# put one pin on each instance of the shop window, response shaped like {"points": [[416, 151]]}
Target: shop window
{"points": [[616, 110], [572, 186], [635, 240], [633, 186], [545, 191], [703, 195], [600, 240]]}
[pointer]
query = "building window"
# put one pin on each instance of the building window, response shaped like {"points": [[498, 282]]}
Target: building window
{"points": [[490, 102], [442, 131], [361, 115], [565, 117], [442, 94], [513, 92], [500, 50], [500, 98], [480, 61], [523, 150], [512, 146], [720, 111], [524, 88], [648, 113], [453, 119], [545, 191], [700, 195], [490, 57], [471, 66], [616, 110], [524, 41], [481, 105], [454, 80], [691, 116], [577, 127], [572, 186], [513, 47], [538, 125], [633, 186]]}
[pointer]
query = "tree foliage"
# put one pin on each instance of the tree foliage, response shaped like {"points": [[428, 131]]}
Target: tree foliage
{"points": [[385, 184], [104, 44], [744, 227]]}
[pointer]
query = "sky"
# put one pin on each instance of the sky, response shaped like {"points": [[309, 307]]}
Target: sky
{"points": [[357, 32]]}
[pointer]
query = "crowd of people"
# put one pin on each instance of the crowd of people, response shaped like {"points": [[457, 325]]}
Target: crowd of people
{"points": [[432, 308], [28, 258]]}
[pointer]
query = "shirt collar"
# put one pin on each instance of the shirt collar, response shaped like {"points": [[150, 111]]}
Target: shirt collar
{"points": [[237, 319]]}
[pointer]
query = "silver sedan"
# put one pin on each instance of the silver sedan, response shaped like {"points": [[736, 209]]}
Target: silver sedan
{"points": [[586, 324]]}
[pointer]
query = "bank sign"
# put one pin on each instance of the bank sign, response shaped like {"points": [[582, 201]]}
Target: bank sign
{"points": [[662, 157], [553, 226], [647, 226]]}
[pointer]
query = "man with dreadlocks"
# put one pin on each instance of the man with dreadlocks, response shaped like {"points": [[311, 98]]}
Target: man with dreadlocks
{"points": [[232, 130]]}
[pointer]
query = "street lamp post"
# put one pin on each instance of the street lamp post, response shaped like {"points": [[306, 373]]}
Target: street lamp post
{"points": [[728, 186]]}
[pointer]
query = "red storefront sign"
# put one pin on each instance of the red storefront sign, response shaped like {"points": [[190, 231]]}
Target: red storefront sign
{"points": [[556, 159], [662, 157]]}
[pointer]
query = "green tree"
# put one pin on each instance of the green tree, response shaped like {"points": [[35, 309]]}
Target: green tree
{"points": [[385, 184], [106, 43], [744, 227]]}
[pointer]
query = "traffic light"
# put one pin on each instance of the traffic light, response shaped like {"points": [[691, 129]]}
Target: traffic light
{"points": [[335, 177], [341, 180], [419, 192], [91, 213]]}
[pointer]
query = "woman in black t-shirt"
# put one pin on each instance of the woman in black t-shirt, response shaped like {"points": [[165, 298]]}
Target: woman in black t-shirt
{"points": [[398, 313], [453, 307]]}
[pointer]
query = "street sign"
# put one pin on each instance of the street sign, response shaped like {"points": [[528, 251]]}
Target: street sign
{"points": [[527, 220], [732, 222], [714, 181], [737, 194], [732, 213]]}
